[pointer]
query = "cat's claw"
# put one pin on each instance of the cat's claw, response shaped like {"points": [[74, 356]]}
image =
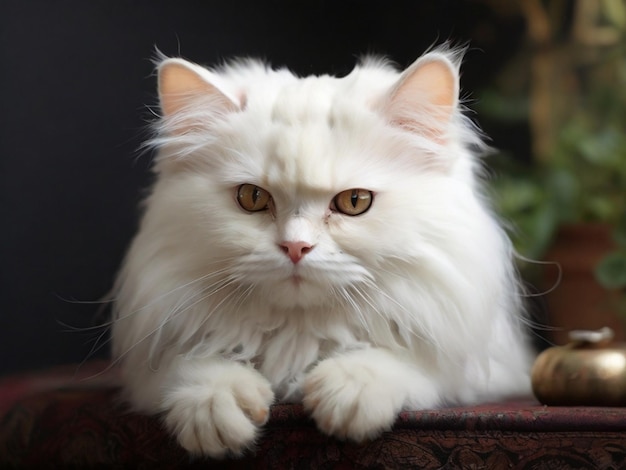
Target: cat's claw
{"points": [[221, 419]]}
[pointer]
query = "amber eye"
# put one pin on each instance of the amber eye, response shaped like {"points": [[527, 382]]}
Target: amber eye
{"points": [[353, 201], [252, 198]]}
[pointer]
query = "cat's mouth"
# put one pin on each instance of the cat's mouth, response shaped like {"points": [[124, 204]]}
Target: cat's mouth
{"points": [[296, 279]]}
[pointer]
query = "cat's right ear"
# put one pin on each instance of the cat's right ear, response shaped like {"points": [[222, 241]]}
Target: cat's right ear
{"points": [[426, 96], [184, 86]]}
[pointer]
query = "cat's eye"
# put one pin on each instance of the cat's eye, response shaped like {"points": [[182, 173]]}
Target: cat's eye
{"points": [[251, 198], [353, 201]]}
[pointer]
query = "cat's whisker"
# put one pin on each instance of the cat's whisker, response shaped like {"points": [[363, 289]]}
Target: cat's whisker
{"points": [[399, 319], [346, 293], [87, 302], [161, 297], [228, 297], [177, 309], [228, 301], [196, 298], [102, 303], [396, 272], [80, 329], [180, 308], [372, 285], [369, 302], [245, 295], [205, 292], [98, 344]]}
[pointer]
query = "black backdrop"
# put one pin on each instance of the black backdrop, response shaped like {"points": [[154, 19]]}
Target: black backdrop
{"points": [[75, 77]]}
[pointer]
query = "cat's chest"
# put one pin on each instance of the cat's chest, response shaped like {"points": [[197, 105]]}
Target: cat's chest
{"points": [[286, 353]]}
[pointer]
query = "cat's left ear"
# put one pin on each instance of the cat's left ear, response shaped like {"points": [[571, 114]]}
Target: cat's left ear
{"points": [[184, 86], [426, 96]]}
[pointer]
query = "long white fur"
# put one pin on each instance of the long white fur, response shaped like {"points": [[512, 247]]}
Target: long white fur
{"points": [[414, 304]]}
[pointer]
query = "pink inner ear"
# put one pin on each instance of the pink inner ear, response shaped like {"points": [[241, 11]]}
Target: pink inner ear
{"points": [[425, 97], [179, 85], [434, 80]]}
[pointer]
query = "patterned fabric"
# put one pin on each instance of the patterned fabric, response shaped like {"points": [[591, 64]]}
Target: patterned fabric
{"points": [[56, 420]]}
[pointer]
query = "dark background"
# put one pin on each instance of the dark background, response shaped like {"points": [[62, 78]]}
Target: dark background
{"points": [[75, 79]]}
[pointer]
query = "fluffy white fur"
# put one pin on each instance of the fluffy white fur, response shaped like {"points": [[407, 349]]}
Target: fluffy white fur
{"points": [[413, 304]]}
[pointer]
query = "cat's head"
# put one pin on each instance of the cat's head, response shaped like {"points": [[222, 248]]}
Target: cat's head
{"points": [[296, 190]]}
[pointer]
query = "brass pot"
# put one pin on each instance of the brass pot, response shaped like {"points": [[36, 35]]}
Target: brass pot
{"points": [[590, 370]]}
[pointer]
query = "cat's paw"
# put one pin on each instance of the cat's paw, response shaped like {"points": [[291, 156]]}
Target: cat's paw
{"points": [[351, 399], [221, 417]]}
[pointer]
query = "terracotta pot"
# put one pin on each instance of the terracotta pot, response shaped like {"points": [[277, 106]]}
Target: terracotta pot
{"points": [[578, 301]]}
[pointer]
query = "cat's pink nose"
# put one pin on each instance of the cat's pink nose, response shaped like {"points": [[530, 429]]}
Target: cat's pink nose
{"points": [[295, 250]]}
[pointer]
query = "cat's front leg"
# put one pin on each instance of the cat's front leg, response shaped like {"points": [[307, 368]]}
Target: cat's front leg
{"points": [[358, 395], [215, 406]]}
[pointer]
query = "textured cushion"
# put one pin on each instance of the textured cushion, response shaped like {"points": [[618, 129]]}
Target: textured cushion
{"points": [[52, 418]]}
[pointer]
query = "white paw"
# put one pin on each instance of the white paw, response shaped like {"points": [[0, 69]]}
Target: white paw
{"points": [[221, 416], [352, 399]]}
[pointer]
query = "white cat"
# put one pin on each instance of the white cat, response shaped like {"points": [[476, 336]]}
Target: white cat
{"points": [[319, 239]]}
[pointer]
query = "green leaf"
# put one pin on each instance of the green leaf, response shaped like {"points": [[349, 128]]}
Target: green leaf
{"points": [[619, 234], [534, 230], [517, 195], [602, 149], [611, 271], [564, 189], [599, 207]]}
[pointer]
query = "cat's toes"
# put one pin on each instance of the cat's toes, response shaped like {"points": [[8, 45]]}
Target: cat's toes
{"points": [[221, 420], [216, 427], [254, 401], [350, 403]]}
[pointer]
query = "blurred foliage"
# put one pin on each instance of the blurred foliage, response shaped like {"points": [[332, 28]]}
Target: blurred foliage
{"points": [[569, 84]]}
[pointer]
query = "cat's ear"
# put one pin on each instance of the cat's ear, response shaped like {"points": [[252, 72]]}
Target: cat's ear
{"points": [[425, 96], [183, 85]]}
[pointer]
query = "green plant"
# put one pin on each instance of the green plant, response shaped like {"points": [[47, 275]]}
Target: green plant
{"points": [[570, 88], [611, 271], [583, 181]]}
